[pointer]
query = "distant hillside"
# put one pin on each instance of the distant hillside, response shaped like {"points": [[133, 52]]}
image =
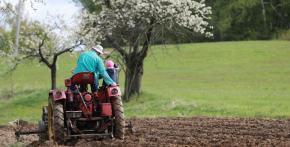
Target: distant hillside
{"points": [[236, 79]]}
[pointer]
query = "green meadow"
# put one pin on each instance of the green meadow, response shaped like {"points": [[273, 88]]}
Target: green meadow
{"points": [[224, 79]]}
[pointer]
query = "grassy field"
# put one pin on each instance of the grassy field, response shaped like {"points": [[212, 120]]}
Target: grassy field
{"points": [[232, 79]]}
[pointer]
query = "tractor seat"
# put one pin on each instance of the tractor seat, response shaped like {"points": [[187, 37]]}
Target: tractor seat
{"points": [[83, 78]]}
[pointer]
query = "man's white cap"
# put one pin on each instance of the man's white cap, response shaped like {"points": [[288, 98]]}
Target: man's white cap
{"points": [[99, 49]]}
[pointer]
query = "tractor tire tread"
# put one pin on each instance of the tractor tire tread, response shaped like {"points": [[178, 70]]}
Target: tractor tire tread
{"points": [[59, 123], [119, 120]]}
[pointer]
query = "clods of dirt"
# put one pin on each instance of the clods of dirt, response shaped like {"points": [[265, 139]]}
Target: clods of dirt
{"points": [[196, 131]]}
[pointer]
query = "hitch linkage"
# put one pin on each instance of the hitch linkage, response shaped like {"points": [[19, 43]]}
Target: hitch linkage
{"points": [[18, 133]]}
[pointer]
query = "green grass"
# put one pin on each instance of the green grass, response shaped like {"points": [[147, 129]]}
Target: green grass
{"points": [[26, 105], [232, 79]]}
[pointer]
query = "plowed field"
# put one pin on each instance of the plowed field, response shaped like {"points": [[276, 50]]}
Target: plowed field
{"points": [[196, 131]]}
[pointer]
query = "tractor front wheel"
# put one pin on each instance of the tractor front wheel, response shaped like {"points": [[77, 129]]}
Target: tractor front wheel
{"points": [[119, 119], [56, 122]]}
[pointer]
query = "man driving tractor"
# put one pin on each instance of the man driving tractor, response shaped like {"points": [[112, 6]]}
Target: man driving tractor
{"points": [[76, 112], [90, 61]]}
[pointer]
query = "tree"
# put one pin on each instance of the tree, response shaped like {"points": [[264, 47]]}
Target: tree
{"points": [[249, 19], [44, 42], [130, 26], [238, 19], [91, 6], [6, 12]]}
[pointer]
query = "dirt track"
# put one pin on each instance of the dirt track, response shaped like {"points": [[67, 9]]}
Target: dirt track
{"points": [[197, 131]]}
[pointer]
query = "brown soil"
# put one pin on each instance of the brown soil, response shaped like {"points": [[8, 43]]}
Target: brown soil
{"points": [[197, 131]]}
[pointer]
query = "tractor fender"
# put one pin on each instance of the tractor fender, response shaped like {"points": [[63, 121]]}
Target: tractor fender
{"points": [[56, 95]]}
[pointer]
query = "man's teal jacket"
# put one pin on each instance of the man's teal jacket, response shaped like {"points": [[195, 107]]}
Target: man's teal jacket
{"points": [[89, 61]]}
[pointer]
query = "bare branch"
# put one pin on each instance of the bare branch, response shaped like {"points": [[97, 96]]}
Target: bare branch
{"points": [[67, 49], [143, 53], [117, 46], [17, 62], [64, 51], [42, 58]]}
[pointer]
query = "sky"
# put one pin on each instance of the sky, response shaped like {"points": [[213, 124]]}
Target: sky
{"points": [[46, 11], [41, 10]]}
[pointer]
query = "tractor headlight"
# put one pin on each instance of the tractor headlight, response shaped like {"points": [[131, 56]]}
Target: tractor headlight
{"points": [[114, 91], [58, 94]]}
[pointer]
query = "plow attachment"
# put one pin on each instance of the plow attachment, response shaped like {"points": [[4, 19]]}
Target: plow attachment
{"points": [[41, 132]]}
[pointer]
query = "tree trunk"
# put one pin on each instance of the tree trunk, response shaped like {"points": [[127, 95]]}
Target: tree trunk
{"points": [[264, 13], [53, 76], [134, 63], [133, 74], [134, 68]]}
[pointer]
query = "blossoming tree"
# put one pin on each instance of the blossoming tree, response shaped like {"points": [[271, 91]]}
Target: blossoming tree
{"points": [[131, 25], [45, 42], [42, 41]]}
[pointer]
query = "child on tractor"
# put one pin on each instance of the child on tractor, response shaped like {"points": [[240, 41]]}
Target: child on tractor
{"points": [[112, 70]]}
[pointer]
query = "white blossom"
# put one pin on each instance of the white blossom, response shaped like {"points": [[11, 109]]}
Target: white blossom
{"points": [[131, 14]]}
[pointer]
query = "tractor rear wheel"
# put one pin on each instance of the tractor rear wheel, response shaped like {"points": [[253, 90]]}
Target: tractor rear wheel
{"points": [[42, 137], [42, 125], [58, 123], [119, 119], [55, 122]]}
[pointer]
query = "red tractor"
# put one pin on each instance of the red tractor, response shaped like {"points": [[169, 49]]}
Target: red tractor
{"points": [[80, 113]]}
